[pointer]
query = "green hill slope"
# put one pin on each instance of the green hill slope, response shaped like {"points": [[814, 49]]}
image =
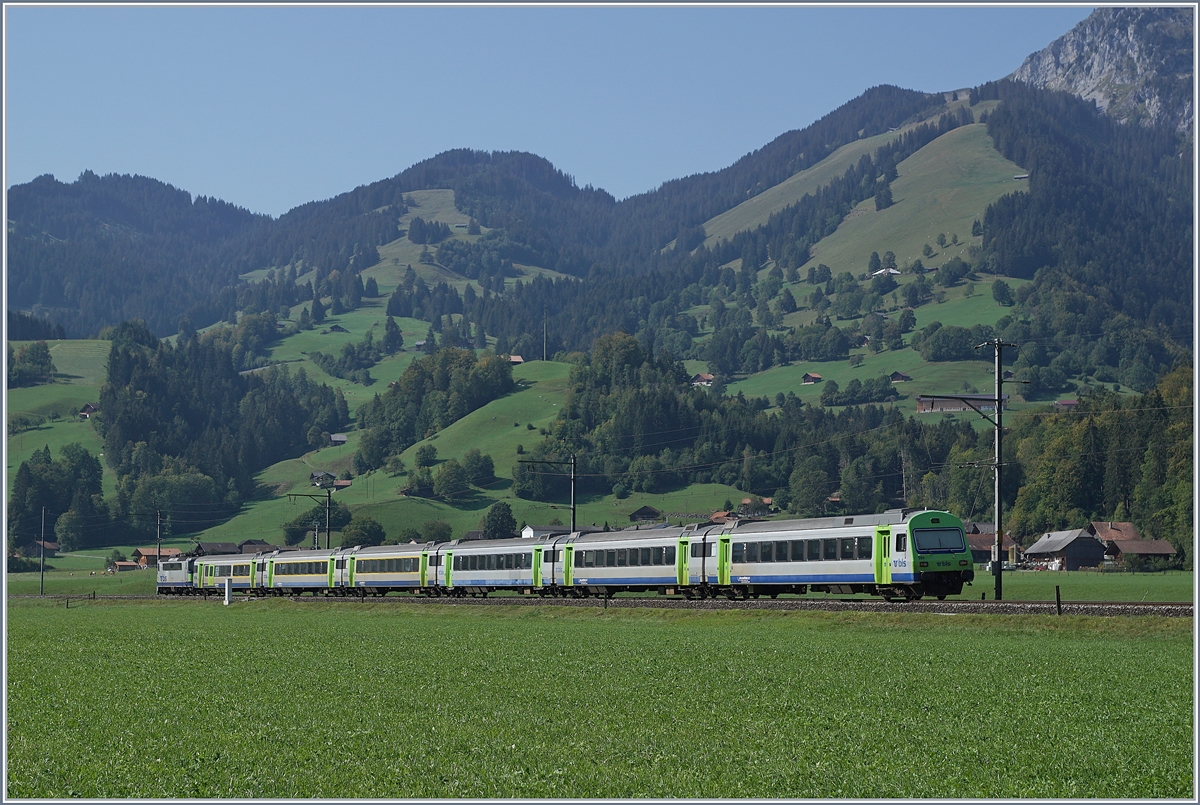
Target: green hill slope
{"points": [[943, 188]]}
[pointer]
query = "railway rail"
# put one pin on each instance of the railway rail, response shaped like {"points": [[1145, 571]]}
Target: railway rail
{"points": [[1177, 609]]}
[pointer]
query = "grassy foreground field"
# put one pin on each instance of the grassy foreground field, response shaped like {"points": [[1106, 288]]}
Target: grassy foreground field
{"points": [[529, 702]]}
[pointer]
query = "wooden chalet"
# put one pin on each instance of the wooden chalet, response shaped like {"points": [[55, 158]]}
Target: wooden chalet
{"points": [[149, 557], [646, 514]]}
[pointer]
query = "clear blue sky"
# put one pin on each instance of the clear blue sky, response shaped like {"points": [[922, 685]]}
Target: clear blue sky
{"points": [[272, 107]]}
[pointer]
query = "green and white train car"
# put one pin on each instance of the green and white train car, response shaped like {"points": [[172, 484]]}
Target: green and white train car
{"points": [[898, 554]]}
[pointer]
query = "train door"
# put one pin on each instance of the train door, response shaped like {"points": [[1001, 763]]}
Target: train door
{"points": [[682, 562], [537, 566], [724, 559], [448, 563], [424, 568], [351, 561], [902, 569], [568, 565], [883, 555]]}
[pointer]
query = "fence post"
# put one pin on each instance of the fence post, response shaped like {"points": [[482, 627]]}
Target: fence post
{"points": [[228, 591]]}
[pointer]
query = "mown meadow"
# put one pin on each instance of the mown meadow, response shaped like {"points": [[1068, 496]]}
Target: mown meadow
{"points": [[283, 699]]}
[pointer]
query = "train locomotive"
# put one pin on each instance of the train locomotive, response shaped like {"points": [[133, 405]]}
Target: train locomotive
{"points": [[899, 554]]}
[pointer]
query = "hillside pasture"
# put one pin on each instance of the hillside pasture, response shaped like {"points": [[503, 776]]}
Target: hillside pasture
{"points": [[944, 187], [757, 211], [598, 714]]}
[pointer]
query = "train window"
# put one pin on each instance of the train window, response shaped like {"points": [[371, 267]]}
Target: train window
{"points": [[766, 552], [610, 558], [550, 556], [472, 563], [645, 556], [491, 561], [177, 566], [510, 561], [781, 551], [901, 541], [829, 552], [669, 558], [847, 551], [813, 549], [579, 558], [621, 557], [798, 550], [634, 554], [739, 551], [223, 570], [435, 560], [751, 551], [241, 570], [589, 558], [864, 547], [656, 556]]}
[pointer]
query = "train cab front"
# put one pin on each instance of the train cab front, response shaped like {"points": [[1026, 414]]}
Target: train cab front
{"points": [[941, 556]]}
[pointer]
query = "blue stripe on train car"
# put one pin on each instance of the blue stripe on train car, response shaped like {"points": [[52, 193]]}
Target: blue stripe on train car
{"points": [[361, 583], [652, 580], [811, 578]]}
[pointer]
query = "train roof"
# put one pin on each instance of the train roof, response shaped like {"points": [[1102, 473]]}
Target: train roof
{"points": [[889, 517], [407, 549]]}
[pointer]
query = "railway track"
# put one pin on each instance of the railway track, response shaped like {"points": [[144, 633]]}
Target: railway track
{"points": [[1175, 609]]}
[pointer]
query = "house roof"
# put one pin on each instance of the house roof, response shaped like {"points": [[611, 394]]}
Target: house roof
{"points": [[1115, 531], [155, 552], [337, 437], [48, 545], [218, 547], [984, 542], [646, 510], [1143, 547], [126, 564], [1055, 541]]}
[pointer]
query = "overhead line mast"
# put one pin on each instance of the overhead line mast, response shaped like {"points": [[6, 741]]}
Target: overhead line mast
{"points": [[997, 465]]}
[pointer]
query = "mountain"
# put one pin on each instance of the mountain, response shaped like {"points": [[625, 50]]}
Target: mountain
{"points": [[1135, 63]]}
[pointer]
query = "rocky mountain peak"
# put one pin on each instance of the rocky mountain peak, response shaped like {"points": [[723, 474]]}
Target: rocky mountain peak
{"points": [[1135, 63]]}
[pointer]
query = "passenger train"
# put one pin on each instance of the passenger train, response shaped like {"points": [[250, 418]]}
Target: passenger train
{"points": [[901, 554]]}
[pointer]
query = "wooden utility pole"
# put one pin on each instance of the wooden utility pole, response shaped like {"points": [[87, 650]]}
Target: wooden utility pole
{"points": [[42, 572]]}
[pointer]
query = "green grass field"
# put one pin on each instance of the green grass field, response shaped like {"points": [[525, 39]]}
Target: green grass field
{"points": [[159, 699]]}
